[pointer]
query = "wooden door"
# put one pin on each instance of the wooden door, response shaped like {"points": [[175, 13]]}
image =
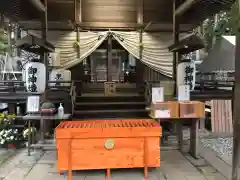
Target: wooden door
{"points": [[99, 66]]}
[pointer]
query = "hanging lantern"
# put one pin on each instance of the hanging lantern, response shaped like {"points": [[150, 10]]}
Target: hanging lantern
{"points": [[186, 74], [60, 75], [35, 77]]}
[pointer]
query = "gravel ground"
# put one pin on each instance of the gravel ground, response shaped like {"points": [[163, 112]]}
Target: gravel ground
{"points": [[222, 146]]}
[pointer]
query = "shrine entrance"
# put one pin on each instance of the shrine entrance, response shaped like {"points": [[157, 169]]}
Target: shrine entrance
{"points": [[101, 71], [110, 63]]}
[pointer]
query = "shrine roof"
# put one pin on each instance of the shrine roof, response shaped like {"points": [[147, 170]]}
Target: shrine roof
{"points": [[115, 13]]}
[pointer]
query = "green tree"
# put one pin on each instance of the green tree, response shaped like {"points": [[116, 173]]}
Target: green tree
{"points": [[227, 23]]}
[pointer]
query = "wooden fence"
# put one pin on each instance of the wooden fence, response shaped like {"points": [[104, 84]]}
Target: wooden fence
{"points": [[221, 116]]}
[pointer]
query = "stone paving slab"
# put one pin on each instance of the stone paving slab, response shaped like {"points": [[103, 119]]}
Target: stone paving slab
{"points": [[212, 159], [6, 154], [174, 166], [19, 165]]}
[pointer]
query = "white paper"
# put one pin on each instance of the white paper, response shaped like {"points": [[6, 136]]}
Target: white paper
{"points": [[183, 93], [162, 114], [157, 94], [33, 103]]}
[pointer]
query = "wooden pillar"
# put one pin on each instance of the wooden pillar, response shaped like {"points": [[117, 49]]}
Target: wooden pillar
{"points": [[109, 59], [78, 11], [140, 65], [236, 110], [178, 125], [78, 19], [44, 38], [175, 40], [78, 40]]}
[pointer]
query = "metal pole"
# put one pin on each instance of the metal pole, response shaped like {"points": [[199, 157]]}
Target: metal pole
{"points": [[236, 110]]}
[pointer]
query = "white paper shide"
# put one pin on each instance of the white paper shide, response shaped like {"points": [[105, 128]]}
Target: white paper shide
{"points": [[33, 103], [183, 93], [157, 94]]}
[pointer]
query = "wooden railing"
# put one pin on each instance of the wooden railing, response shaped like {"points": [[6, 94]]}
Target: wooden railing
{"points": [[211, 81], [148, 93], [56, 89], [204, 85], [73, 96], [12, 86]]}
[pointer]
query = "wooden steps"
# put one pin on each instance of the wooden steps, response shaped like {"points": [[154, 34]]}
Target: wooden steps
{"points": [[123, 104]]}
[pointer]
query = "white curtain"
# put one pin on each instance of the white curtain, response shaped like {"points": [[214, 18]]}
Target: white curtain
{"points": [[155, 49], [64, 42]]}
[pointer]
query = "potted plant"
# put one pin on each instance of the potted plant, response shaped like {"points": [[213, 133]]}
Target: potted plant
{"points": [[9, 137]]}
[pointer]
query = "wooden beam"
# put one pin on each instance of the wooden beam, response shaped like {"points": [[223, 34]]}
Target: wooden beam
{"points": [[166, 27], [184, 7], [39, 5], [65, 25], [109, 25], [36, 25]]}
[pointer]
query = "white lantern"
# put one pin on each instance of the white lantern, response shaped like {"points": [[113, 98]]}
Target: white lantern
{"points": [[35, 77], [60, 75], [186, 74]]}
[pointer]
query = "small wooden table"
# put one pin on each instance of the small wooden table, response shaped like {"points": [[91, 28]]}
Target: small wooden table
{"points": [[193, 133], [39, 117]]}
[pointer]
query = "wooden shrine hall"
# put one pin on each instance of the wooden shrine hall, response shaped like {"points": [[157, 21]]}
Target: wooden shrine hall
{"points": [[103, 58]]}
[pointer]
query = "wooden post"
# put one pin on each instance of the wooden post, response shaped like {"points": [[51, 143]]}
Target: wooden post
{"points": [[78, 11], [45, 55], [178, 125], [109, 59], [175, 40], [194, 138], [78, 40], [78, 19], [236, 110], [140, 66]]}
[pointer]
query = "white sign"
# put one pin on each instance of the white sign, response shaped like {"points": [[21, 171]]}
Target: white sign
{"points": [[33, 103], [157, 94], [183, 93], [162, 114]]}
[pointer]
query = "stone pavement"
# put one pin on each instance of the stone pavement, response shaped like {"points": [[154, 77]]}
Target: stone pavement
{"points": [[42, 166]]}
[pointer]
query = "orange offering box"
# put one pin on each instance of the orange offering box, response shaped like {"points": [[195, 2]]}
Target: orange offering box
{"points": [[192, 109], [168, 109], [106, 144]]}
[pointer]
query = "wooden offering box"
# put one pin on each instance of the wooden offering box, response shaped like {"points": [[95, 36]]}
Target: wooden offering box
{"points": [[192, 109], [106, 144], [169, 109]]}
